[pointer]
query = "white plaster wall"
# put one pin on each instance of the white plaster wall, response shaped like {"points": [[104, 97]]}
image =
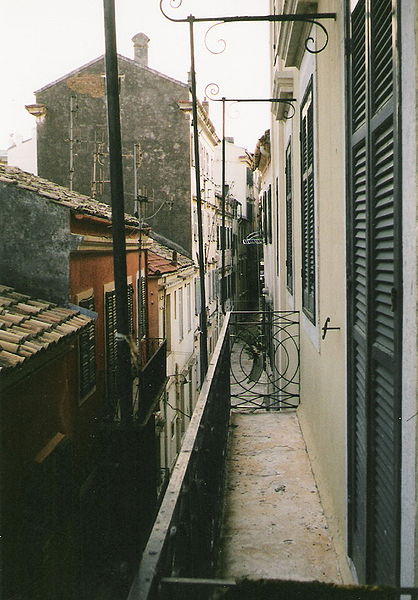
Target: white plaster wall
{"points": [[323, 409], [323, 362]]}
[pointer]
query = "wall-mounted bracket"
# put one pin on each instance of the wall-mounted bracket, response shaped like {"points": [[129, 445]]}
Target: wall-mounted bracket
{"points": [[326, 328], [312, 18]]}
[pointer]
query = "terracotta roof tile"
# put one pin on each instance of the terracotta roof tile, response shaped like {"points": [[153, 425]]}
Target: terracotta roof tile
{"points": [[59, 194], [162, 260], [29, 326]]}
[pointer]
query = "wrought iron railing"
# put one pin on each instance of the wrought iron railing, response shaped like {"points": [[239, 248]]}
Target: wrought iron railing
{"points": [[183, 542], [265, 359]]}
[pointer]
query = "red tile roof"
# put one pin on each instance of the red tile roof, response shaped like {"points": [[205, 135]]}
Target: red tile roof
{"points": [[163, 260], [29, 326]]}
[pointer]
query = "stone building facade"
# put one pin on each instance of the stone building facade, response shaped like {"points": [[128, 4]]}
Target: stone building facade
{"points": [[73, 146]]}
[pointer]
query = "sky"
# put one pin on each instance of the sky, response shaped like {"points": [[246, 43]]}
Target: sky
{"points": [[42, 41]]}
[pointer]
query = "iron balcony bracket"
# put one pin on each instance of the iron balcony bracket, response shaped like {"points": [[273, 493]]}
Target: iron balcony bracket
{"points": [[326, 328], [312, 18], [212, 90]]}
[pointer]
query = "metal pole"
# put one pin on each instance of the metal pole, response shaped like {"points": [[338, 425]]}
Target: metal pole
{"points": [[123, 371], [203, 345], [223, 236], [72, 111]]}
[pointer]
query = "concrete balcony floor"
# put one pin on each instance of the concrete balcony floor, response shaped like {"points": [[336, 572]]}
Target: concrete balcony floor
{"points": [[274, 525]]}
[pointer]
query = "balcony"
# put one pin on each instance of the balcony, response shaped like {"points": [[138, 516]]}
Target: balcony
{"points": [[242, 501], [152, 375]]}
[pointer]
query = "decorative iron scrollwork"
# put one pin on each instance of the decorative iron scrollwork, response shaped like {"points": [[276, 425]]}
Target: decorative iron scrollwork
{"points": [[220, 41], [173, 4], [312, 18], [212, 90]]}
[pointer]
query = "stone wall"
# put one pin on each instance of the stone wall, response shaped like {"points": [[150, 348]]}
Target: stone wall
{"points": [[150, 116]]}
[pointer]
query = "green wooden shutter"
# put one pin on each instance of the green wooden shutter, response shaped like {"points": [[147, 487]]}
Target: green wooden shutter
{"points": [[111, 344], [142, 307], [374, 296], [87, 353], [131, 307], [308, 206]]}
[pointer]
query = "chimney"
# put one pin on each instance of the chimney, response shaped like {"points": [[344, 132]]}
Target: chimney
{"points": [[140, 41]]}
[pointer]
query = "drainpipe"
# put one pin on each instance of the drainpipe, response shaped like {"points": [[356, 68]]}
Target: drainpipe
{"points": [[123, 375]]}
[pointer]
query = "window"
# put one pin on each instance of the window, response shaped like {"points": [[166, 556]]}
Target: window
{"points": [[110, 336], [374, 290], [289, 219], [197, 295], [269, 216], [142, 307], [87, 353], [189, 307], [168, 321], [308, 205], [181, 324], [111, 346]]}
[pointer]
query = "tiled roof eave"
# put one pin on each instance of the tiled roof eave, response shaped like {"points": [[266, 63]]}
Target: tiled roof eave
{"points": [[30, 328]]}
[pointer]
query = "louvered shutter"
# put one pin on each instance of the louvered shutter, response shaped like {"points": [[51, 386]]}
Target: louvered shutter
{"points": [[374, 318], [385, 466], [269, 217], [308, 206], [197, 296], [142, 307], [111, 344], [131, 307], [289, 219], [87, 353]]}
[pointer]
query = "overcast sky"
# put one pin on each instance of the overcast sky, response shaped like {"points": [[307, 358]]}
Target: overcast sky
{"points": [[40, 41]]}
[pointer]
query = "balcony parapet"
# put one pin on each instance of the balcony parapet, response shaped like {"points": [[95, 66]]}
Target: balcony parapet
{"points": [[184, 538]]}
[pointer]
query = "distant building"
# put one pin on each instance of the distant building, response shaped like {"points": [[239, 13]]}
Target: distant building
{"points": [[72, 120]]}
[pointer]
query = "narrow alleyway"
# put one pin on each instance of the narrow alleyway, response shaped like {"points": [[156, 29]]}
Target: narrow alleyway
{"points": [[274, 526]]}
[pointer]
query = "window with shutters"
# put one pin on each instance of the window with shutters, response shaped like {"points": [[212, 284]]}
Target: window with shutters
{"points": [[289, 218], [110, 337], [197, 295], [110, 340], [188, 307], [374, 290], [308, 205], [269, 217], [87, 354], [181, 314], [131, 308], [142, 307]]}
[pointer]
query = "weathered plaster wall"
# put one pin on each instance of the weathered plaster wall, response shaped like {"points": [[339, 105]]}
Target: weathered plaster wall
{"points": [[323, 362], [149, 115], [34, 253]]}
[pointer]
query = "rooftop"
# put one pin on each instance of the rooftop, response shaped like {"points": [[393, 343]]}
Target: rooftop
{"points": [[29, 326], [163, 260], [58, 194]]}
